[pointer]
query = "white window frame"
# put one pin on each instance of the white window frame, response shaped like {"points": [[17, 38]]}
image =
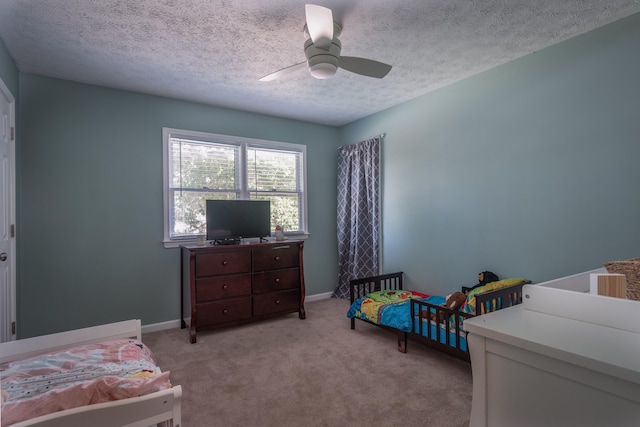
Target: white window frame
{"points": [[168, 133]]}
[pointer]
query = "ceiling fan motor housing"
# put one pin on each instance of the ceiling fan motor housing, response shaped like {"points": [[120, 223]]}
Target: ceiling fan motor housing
{"points": [[323, 63]]}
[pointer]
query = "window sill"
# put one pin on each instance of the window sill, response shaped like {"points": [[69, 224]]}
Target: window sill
{"points": [[176, 243]]}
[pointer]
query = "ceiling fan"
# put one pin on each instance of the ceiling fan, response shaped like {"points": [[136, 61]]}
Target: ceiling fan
{"points": [[322, 49]]}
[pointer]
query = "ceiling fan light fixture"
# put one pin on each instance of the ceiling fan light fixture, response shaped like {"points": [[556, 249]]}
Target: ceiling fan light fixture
{"points": [[323, 64], [323, 70]]}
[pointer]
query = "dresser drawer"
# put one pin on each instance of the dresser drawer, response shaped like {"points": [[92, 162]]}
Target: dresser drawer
{"points": [[275, 257], [278, 280], [213, 264], [218, 287], [276, 302], [219, 312]]}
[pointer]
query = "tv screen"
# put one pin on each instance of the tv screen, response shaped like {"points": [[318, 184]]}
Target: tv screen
{"points": [[234, 219]]}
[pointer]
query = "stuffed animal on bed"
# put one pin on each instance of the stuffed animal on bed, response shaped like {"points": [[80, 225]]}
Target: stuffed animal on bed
{"points": [[454, 302], [484, 278]]}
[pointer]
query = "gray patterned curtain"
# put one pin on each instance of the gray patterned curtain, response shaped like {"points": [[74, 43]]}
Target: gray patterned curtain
{"points": [[358, 213]]}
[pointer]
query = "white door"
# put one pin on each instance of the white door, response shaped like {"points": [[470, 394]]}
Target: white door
{"points": [[7, 215]]}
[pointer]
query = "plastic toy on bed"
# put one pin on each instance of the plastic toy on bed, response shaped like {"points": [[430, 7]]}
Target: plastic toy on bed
{"points": [[433, 320]]}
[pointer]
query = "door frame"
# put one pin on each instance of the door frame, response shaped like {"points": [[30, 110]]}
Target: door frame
{"points": [[10, 303]]}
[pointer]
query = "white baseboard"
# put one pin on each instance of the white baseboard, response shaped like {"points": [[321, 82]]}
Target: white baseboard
{"points": [[318, 297], [172, 324]]}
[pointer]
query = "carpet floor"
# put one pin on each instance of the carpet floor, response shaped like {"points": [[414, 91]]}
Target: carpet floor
{"points": [[313, 372]]}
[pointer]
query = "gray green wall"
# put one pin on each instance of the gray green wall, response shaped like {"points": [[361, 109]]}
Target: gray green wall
{"points": [[91, 219], [529, 169]]}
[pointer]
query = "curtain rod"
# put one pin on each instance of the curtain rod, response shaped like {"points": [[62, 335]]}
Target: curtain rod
{"points": [[381, 136]]}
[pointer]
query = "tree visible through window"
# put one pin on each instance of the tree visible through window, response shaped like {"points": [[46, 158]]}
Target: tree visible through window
{"points": [[201, 166]]}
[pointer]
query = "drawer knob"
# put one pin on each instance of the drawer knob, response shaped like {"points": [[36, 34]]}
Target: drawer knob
{"points": [[225, 287], [225, 311], [277, 280], [277, 301], [277, 258], [224, 262]]}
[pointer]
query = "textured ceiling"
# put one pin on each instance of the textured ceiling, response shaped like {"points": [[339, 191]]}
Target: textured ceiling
{"points": [[214, 51]]}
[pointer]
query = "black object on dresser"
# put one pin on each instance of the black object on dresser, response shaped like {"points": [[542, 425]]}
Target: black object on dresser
{"points": [[233, 284]]}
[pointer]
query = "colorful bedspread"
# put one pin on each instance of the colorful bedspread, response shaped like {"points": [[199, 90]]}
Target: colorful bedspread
{"points": [[388, 308], [443, 335], [440, 335], [393, 309], [78, 376]]}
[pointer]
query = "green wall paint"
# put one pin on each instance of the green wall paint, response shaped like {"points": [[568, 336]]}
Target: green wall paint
{"points": [[91, 213], [527, 169]]}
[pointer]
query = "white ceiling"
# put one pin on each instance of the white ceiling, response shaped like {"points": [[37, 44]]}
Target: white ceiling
{"points": [[214, 51]]}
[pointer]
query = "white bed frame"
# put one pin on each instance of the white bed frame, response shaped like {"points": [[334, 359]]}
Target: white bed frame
{"points": [[161, 407]]}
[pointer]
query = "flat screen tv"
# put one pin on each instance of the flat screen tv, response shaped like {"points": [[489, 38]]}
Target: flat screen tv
{"points": [[231, 220]]}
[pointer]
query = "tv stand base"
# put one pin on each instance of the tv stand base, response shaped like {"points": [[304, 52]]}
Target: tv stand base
{"points": [[226, 242]]}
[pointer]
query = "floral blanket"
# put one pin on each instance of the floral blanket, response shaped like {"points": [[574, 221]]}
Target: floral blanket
{"points": [[78, 376], [389, 308]]}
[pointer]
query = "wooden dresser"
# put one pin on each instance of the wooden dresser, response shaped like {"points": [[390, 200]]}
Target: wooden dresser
{"points": [[232, 284]]}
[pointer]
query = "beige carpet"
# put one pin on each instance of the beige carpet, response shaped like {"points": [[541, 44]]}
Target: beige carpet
{"points": [[313, 372]]}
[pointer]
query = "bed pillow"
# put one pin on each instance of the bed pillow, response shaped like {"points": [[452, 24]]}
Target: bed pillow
{"points": [[470, 304]]}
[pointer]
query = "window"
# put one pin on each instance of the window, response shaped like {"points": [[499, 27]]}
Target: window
{"points": [[200, 166]]}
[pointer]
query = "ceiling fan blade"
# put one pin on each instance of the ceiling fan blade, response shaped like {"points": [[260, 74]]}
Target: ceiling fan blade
{"points": [[366, 67], [283, 72], [320, 25]]}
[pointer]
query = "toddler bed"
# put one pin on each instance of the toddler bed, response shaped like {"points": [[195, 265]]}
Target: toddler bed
{"points": [[98, 376], [382, 301]]}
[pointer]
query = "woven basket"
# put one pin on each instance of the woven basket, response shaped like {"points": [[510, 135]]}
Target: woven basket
{"points": [[631, 270]]}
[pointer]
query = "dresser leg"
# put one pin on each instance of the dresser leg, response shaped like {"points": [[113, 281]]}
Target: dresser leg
{"points": [[301, 313]]}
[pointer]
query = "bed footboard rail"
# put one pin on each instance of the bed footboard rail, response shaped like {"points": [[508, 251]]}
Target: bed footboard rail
{"points": [[367, 285], [147, 410], [488, 302], [448, 333]]}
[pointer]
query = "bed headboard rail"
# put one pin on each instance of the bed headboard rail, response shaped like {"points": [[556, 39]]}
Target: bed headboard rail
{"points": [[364, 286], [24, 348]]}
